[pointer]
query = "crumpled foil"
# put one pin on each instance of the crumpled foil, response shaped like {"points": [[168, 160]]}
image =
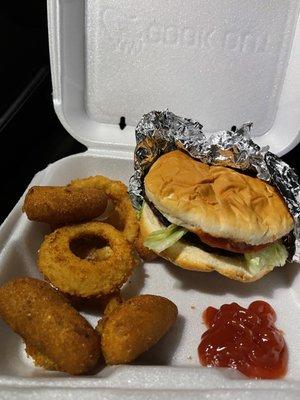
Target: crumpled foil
{"points": [[159, 132]]}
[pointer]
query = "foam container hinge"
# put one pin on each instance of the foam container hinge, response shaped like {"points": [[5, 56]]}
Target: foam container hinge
{"points": [[101, 70]]}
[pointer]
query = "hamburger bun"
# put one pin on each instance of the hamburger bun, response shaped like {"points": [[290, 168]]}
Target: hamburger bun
{"points": [[216, 200], [191, 257]]}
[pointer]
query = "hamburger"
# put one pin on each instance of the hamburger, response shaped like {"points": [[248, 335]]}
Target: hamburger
{"points": [[204, 218]]}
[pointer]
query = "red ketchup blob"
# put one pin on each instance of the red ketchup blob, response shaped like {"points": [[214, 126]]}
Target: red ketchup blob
{"points": [[244, 339]]}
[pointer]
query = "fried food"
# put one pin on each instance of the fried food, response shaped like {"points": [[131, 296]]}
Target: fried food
{"points": [[134, 326], [40, 359], [86, 277], [145, 253], [56, 335], [61, 205], [114, 302], [111, 304], [123, 216]]}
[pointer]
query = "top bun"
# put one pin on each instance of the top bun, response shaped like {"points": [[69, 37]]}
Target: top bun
{"points": [[216, 200]]}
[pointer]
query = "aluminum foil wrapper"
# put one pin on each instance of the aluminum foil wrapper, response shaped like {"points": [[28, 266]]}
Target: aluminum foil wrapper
{"points": [[159, 132]]}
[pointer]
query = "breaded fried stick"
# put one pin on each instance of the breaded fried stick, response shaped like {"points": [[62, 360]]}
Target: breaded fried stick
{"points": [[56, 335], [60, 205], [129, 329]]}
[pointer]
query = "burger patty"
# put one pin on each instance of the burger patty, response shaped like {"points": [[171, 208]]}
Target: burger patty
{"points": [[220, 244], [192, 239]]}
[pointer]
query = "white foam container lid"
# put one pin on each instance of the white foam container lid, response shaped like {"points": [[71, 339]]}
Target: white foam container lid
{"points": [[222, 63]]}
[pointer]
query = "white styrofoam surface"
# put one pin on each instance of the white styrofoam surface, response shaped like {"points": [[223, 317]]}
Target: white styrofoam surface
{"points": [[222, 62], [103, 66], [171, 367], [218, 61]]}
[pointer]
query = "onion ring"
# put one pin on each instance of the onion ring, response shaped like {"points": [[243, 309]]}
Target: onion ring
{"points": [[86, 277], [125, 217]]}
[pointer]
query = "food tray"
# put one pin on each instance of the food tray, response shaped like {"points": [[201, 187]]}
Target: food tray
{"points": [[171, 368]]}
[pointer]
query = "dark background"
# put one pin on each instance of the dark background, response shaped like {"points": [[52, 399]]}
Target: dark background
{"points": [[31, 134]]}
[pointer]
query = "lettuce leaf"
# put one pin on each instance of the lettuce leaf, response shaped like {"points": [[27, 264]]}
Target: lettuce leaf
{"points": [[160, 240], [272, 256], [138, 213], [275, 255]]}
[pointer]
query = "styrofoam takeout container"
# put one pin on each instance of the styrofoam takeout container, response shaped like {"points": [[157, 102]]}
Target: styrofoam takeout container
{"points": [[222, 62]]}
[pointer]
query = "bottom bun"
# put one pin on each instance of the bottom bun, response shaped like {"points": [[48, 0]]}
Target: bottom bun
{"points": [[191, 257]]}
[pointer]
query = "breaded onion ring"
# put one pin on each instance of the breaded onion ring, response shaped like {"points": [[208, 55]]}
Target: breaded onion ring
{"points": [[131, 328], [123, 217], [60, 205], [91, 276], [56, 335]]}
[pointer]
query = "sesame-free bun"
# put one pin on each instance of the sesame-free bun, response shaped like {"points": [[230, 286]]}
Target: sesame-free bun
{"points": [[191, 257], [216, 200]]}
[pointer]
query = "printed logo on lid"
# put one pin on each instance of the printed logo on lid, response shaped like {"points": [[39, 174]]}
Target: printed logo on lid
{"points": [[130, 35]]}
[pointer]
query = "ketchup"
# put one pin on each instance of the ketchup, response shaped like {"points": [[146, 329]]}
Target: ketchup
{"points": [[244, 339]]}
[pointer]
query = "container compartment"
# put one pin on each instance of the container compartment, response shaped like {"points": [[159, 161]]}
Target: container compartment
{"points": [[191, 291]]}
